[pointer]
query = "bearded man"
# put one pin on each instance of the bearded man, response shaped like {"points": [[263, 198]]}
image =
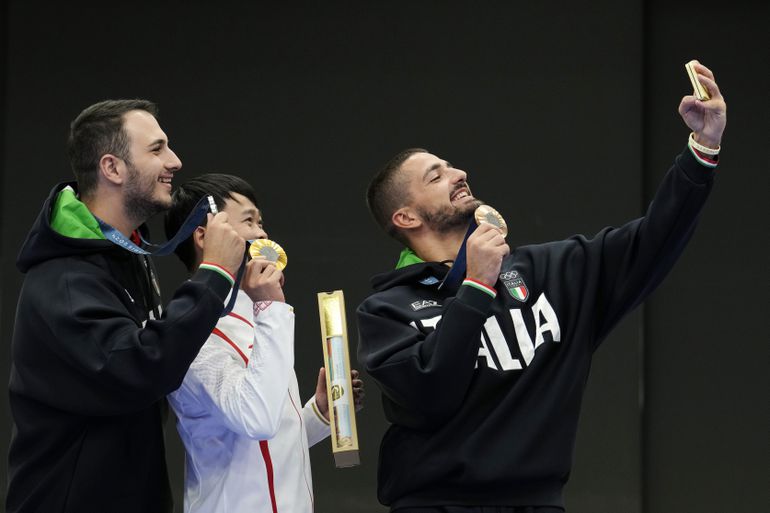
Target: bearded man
{"points": [[93, 357], [482, 376]]}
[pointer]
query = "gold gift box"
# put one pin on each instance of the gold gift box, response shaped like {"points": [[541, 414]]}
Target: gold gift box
{"points": [[339, 386]]}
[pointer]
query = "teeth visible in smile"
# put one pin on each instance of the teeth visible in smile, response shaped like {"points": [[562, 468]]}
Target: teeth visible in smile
{"points": [[164, 180], [461, 194]]}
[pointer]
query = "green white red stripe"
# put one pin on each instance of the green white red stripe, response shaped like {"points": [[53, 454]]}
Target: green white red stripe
{"points": [[218, 269], [706, 160], [480, 286]]}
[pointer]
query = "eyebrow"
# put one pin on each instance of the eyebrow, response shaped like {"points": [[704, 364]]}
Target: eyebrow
{"points": [[248, 211]]}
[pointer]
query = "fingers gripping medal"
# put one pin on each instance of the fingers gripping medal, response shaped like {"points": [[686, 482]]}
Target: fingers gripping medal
{"points": [[487, 214], [270, 250], [483, 214]]}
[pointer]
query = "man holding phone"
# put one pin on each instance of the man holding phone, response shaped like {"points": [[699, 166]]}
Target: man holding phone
{"points": [[482, 380]]}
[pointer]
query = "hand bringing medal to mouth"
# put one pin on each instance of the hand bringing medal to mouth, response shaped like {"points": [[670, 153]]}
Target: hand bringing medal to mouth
{"points": [[269, 250], [487, 214], [264, 272], [485, 248], [488, 233]]}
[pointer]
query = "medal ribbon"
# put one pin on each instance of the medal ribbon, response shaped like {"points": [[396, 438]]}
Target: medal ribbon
{"points": [[193, 220], [237, 284], [457, 272]]}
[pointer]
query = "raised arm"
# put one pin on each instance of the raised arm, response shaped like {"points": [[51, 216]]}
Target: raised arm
{"points": [[637, 256]]}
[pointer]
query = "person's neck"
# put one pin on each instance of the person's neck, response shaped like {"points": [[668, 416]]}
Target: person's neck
{"points": [[438, 247], [110, 210]]}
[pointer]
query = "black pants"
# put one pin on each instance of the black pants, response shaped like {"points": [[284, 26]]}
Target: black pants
{"points": [[481, 509]]}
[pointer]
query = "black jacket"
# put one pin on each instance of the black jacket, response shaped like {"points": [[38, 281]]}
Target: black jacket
{"points": [[90, 371], [483, 394]]}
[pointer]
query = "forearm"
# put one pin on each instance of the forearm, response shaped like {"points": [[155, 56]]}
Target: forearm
{"points": [[114, 363], [636, 257]]}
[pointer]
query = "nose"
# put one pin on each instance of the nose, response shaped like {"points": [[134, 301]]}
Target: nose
{"points": [[458, 175], [260, 233], [173, 163]]}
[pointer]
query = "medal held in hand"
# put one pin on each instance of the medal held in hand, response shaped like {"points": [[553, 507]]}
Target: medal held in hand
{"points": [[487, 214], [483, 214], [270, 250]]}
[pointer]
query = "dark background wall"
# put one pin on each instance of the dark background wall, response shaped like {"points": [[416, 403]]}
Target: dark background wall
{"points": [[564, 116]]}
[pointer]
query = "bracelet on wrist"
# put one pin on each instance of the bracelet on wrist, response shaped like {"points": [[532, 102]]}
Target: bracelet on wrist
{"points": [[703, 149]]}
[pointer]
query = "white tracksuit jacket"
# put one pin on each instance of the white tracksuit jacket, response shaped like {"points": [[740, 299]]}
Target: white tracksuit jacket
{"points": [[239, 415]]}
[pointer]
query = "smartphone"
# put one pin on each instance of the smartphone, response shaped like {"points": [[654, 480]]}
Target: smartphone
{"points": [[699, 91]]}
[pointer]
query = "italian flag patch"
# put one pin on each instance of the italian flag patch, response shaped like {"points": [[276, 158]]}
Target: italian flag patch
{"points": [[519, 293], [515, 285]]}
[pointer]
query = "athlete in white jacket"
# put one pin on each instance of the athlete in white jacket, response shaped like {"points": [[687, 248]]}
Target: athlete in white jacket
{"points": [[239, 415], [245, 431]]}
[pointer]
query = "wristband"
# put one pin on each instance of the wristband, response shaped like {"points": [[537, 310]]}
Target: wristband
{"points": [[703, 149]]}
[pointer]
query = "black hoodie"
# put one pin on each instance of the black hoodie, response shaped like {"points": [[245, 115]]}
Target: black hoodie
{"points": [[92, 362], [484, 393]]}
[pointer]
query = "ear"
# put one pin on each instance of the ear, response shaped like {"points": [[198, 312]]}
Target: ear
{"points": [[112, 169], [198, 235], [406, 219]]}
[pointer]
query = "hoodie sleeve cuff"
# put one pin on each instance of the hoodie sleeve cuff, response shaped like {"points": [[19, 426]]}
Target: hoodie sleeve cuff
{"points": [[695, 169], [476, 295], [483, 287], [218, 268], [217, 281]]}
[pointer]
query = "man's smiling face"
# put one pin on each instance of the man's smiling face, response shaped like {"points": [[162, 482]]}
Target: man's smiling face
{"points": [[439, 192], [150, 168]]}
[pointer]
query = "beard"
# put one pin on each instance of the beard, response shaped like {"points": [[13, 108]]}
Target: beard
{"points": [[448, 218], [140, 202]]}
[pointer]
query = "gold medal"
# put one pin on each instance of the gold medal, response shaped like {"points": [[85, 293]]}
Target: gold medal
{"points": [[487, 214], [269, 250]]}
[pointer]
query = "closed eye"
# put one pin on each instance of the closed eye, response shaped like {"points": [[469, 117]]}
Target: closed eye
{"points": [[157, 146]]}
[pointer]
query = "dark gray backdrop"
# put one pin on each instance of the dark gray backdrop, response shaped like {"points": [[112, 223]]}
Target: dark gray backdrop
{"points": [[564, 116]]}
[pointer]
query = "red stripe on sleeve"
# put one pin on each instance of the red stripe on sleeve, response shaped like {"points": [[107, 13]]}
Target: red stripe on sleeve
{"points": [[269, 469], [233, 344], [239, 317]]}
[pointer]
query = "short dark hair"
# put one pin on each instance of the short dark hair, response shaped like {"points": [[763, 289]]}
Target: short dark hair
{"points": [[387, 192], [97, 131], [219, 186]]}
